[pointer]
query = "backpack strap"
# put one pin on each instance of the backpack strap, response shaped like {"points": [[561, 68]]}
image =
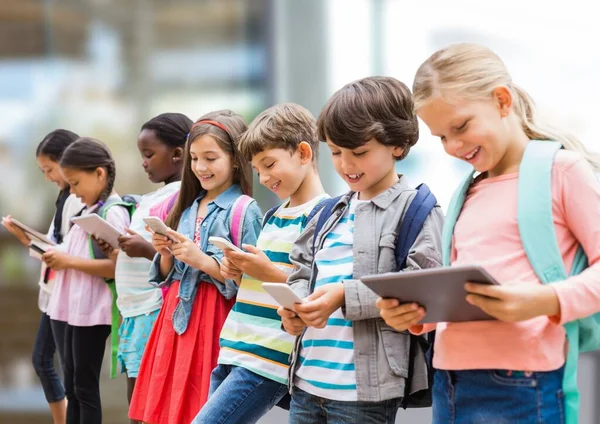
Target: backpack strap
{"points": [[452, 214], [315, 210], [129, 203], [269, 214], [236, 218], [412, 223], [420, 346], [534, 212], [538, 235], [326, 209]]}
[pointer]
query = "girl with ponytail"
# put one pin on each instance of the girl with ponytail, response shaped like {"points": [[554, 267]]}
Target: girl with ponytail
{"points": [[514, 368], [81, 305]]}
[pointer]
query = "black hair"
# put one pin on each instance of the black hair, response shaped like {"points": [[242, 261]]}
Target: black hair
{"points": [[170, 128], [55, 143], [87, 154]]}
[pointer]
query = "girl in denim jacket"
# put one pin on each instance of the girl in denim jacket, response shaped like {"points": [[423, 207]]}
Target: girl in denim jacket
{"points": [[174, 376]]}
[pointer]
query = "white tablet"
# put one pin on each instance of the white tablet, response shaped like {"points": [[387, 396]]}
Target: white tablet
{"points": [[32, 234], [282, 293], [94, 225], [439, 290]]}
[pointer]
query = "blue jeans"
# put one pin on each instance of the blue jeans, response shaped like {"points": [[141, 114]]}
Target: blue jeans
{"points": [[308, 409], [43, 362], [238, 395], [498, 396]]}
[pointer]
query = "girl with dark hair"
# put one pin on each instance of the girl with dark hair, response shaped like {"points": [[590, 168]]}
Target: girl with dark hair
{"points": [[182, 351], [48, 154], [161, 143], [81, 307]]}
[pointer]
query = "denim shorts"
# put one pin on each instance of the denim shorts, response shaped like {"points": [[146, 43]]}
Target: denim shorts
{"points": [[133, 334], [498, 397]]}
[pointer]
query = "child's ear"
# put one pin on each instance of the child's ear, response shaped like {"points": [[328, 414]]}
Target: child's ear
{"points": [[177, 155], [503, 99], [100, 173], [306, 153], [398, 152]]}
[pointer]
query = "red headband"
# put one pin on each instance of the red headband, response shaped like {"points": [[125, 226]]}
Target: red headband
{"points": [[215, 123]]}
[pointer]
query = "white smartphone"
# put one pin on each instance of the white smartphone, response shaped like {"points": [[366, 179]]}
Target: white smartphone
{"points": [[224, 244], [158, 227], [283, 294]]}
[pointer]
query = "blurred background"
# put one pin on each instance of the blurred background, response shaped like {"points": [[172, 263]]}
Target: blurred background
{"points": [[102, 68]]}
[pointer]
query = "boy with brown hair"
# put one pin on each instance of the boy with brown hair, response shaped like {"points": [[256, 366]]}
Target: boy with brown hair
{"points": [[251, 376]]}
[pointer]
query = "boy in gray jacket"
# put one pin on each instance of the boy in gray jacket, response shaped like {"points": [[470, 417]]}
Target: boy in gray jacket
{"points": [[348, 365]]}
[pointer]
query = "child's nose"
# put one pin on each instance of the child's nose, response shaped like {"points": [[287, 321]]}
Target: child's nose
{"points": [[453, 145], [263, 179]]}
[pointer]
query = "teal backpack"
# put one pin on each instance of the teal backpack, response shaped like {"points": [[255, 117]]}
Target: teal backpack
{"points": [[538, 235], [130, 203]]}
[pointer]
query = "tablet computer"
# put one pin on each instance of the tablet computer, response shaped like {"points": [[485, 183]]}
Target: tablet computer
{"points": [[94, 225], [439, 290], [32, 234]]}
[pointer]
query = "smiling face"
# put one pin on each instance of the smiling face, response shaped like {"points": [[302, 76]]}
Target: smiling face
{"points": [[211, 165], [487, 134], [281, 170], [369, 169], [51, 171]]}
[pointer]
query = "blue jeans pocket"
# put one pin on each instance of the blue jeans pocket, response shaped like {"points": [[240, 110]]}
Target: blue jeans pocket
{"points": [[514, 378]]}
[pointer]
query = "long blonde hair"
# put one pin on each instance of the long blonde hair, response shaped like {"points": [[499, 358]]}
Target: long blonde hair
{"points": [[472, 71]]}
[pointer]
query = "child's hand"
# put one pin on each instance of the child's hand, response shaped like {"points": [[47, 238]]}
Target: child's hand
{"points": [[186, 250], [230, 271], [319, 306], [255, 263], [15, 231], [134, 245], [400, 317], [291, 322], [514, 302], [108, 250], [57, 260], [161, 244]]}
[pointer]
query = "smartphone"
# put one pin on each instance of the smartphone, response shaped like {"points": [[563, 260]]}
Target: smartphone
{"points": [[223, 244], [283, 294], [158, 227], [37, 249]]}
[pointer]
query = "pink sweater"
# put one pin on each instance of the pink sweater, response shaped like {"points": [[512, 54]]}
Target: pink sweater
{"points": [[487, 234]]}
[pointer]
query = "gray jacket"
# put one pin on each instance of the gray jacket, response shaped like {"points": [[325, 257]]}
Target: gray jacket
{"points": [[381, 354]]}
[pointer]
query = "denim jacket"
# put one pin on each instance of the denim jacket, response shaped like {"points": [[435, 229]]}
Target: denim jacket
{"points": [[216, 223], [381, 354]]}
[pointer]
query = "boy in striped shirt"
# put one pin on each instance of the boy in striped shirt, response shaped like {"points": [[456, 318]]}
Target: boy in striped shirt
{"points": [[251, 375]]}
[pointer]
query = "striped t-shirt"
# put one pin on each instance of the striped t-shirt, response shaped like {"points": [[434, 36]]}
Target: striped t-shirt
{"points": [[136, 296], [327, 354], [252, 337]]}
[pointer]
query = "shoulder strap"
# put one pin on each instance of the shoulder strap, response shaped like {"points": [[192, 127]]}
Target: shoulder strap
{"points": [[269, 214], [315, 210], [236, 223], [326, 209], [412, 223], [454, 208], [534, 211]]}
